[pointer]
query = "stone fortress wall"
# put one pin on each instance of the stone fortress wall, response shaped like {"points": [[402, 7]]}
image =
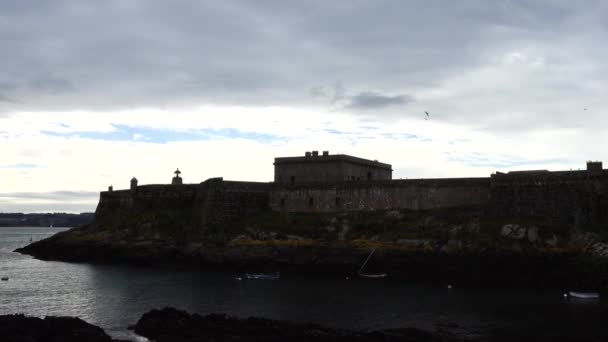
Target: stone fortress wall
{"points": [[213, 201], [574, 198], [413, 194], [570, 197]]}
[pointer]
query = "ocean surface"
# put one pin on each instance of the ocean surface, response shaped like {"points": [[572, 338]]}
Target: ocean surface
{"points": [[114, 297]]}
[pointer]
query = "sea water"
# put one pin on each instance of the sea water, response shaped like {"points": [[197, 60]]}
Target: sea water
{"points": [[114, 297]]}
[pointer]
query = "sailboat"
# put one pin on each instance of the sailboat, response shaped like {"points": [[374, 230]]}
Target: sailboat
{"points": [[362, 274]]}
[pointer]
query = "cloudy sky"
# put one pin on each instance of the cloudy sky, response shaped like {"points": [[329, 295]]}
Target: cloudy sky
{"points": [[93, 93]]}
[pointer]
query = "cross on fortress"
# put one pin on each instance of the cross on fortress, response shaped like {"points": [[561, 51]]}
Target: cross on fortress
{"points": [[177, 180]]}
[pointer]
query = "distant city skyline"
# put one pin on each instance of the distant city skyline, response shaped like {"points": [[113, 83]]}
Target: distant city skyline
{"points": [[94, 93]]}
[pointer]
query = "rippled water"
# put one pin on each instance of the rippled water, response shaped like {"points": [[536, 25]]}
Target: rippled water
{"points": [[114, 297]]}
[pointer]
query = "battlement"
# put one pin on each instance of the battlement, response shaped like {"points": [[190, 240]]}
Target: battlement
{"points": [[314, 157]]}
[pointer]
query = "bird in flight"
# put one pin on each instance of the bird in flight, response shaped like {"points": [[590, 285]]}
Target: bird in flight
{"points": [[427, 115]]}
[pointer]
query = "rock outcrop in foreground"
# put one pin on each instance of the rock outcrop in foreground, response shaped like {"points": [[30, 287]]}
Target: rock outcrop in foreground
{"points": [[19, 328], [171, 325]]}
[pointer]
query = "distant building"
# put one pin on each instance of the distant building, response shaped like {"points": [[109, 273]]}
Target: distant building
{"points": [[133, 183], [313, 167]]}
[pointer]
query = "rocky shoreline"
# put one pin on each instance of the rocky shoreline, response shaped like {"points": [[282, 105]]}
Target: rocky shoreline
{"points": [[171, 325], [569, 269]]}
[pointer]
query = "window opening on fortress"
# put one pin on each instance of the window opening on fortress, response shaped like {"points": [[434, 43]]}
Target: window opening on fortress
{"points": [[282, 203], [369, 176], [310, 202], [338, 202], [292, 179]]}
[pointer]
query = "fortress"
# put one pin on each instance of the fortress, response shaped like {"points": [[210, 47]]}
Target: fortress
{"points": [[335, 183]]}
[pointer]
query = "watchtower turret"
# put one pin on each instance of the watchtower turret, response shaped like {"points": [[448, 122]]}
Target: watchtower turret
{"points": [[177, 180], [133, 183]]}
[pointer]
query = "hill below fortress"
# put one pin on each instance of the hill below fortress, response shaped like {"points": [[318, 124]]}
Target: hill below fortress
{"points": [[325, 213]]}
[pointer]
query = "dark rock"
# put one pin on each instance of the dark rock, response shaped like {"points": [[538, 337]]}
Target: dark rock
{"points": [[179, 326], [20, 328]]}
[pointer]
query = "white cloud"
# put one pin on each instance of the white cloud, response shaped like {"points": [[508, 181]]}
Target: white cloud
{"points": [[415, 147]]}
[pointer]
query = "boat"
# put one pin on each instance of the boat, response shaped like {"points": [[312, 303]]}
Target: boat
{"points": [[372, 276], [583, 295], [362, 274], [4, 278], [263, 276]]}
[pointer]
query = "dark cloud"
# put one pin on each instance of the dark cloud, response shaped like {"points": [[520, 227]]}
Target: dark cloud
{"points": [[4, 98], [37, 207], [51, 85], [318, 92], [372, 100], [55, 201], [100, 55], [139, 52], [56, 196]]}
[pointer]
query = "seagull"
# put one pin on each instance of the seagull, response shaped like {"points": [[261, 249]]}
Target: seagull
{"points": [[427, 115]]}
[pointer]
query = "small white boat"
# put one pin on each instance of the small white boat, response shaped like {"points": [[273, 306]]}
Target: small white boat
{"points": [[372, 276], [584, 295], [263, 276]]}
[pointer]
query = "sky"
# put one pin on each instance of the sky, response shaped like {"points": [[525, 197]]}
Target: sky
{"points": [[93, 93]]}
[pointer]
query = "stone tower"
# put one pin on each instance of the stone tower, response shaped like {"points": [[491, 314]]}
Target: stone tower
{"points": [[133, 183], [177, 180]]}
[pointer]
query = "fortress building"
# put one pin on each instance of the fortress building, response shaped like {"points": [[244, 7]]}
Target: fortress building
{"points": [[333, 183], [313, 167]]}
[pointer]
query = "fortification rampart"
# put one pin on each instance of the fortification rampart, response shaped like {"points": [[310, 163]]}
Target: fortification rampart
{"points": [[212, 202], [412, 194], [223, 201], [572, 198], [148, 196]]}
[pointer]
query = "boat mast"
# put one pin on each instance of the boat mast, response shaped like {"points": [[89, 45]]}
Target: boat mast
{"points": [[366, 260]]}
